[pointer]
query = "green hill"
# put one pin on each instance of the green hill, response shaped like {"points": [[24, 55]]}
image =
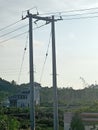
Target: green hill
{"points": [[66, 96], [7, 89]]}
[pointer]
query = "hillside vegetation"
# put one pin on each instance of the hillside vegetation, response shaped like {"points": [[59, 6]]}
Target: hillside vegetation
{"points": [[66, 96], [85, 100]]}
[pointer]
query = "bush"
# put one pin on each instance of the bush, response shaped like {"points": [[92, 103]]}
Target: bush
{"points": [[8, 123], [76, 123]]}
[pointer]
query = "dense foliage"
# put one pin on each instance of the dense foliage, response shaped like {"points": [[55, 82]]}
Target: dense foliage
{"points": [[66, 96], [19, 119], [76, 123], [8, 123], [85, 100], [69, 98]]}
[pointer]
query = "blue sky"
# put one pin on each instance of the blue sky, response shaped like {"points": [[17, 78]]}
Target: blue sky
{"points": [[76, 44]]}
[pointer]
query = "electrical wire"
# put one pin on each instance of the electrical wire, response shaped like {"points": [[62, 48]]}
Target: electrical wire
{"points": [[86, 17], [51, 13], [43, 67], [18, 35], [89, 14], [10, 25], [25, 48], [78, 14], [13, 30], [70, 11]]}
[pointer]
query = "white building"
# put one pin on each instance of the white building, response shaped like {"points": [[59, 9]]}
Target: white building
{"points": [[22, 99]]}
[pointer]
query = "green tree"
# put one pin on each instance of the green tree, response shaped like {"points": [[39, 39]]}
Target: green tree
{"points": [[76, 123], [3, 122], [13, 124], [13, 82], [8, 123]]}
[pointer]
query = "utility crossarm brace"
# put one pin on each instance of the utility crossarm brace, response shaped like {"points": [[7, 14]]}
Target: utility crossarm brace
{"points": [[35, 16]]}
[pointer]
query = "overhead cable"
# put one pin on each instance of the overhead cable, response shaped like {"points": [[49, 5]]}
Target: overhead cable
{"points": [[86, 17], [18, 35], [13, 30], [70, 11], [79, 14], [10, 25]]}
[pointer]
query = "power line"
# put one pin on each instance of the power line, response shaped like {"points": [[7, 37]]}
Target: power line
{"points": [[13, 37], [80, 10], [79, 14], [86, 17], [52, 13], [18, 35], [14, 30], [70, 11], [10, 25], [45, 59]]}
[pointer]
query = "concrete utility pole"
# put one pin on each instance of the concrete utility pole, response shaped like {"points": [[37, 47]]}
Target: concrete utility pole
{"points": [[56, 123], [32, 106]]}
